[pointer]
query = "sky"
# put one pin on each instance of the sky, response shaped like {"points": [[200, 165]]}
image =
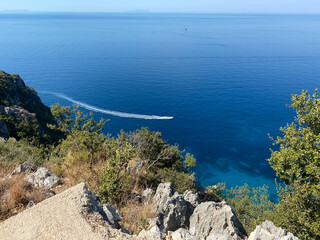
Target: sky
{"points": [[197, 6]]}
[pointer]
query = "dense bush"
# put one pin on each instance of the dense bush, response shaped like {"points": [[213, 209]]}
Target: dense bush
{"points": [[252, 205]]}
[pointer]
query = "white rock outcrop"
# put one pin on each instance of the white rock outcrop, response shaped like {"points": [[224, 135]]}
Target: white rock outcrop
{"points": [[43, 178], [268, 231], [182, 234], [192, 198], [212, 217], [174, 211]]}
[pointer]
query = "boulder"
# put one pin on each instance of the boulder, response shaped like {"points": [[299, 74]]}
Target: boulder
{"points": [[174, 211], [43, 178], [217, 235], [24, 167], [209, 217], [182, 234], [176, 214], [268, 231], [155, 233], [192, 198], [163, 195]]}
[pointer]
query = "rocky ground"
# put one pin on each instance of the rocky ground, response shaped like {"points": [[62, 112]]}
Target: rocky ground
{"points": [[77, 214]]}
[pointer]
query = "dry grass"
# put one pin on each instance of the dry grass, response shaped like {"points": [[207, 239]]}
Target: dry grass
{"points": [[5, 171], [15, 194], [135, 216]]}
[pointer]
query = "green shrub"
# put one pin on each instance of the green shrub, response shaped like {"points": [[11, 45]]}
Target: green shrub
{"points": [[251, 205], [13, 152]]}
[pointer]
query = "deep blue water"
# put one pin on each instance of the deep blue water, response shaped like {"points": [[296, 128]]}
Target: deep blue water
{"points": [[226, 79]]}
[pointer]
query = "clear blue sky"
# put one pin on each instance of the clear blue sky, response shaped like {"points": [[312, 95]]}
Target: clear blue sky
{"points": [[213, 6]]}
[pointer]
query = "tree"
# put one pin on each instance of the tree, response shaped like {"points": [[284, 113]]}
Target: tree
{"points": [[297, 164], [81, 130]]}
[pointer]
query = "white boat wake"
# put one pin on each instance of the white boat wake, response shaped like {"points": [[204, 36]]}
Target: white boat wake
{"points": [[109, 112]]}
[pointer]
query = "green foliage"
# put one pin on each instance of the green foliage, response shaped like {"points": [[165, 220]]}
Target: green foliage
{"points": [[251, 205], [297, 163], [83, 132], [151, 147], [114, 182], [298, 211], [213, 193], [189, 161], [162, 162], [181, 181], [14, 152]]}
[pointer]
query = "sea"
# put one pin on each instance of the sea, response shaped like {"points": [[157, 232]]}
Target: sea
{"points": [[216, 84]]}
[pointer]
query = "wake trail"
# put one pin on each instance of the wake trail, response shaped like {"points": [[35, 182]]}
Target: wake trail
{"points": [[109, 112]]}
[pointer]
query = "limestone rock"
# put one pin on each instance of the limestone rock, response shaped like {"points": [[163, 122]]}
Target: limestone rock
{"points": [[147, 195], [268, 231], [191, 197], [211, 216], [163, 195], [112, 215], [43, 178], [182, 234], [174, 211], [24, 167], [217, 235], [155, 233]]}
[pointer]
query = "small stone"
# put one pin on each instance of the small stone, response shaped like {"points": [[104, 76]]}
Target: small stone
{"points": [[147, 195]]}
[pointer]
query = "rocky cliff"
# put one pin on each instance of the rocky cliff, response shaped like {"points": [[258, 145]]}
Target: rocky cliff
{"points": [[21, 110]]}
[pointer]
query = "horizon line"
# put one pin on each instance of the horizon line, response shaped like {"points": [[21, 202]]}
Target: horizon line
{"points": [[25, 11]]}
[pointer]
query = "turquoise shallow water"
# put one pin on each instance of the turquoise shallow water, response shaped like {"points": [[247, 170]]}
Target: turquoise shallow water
{"points": [[224, 78]]}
